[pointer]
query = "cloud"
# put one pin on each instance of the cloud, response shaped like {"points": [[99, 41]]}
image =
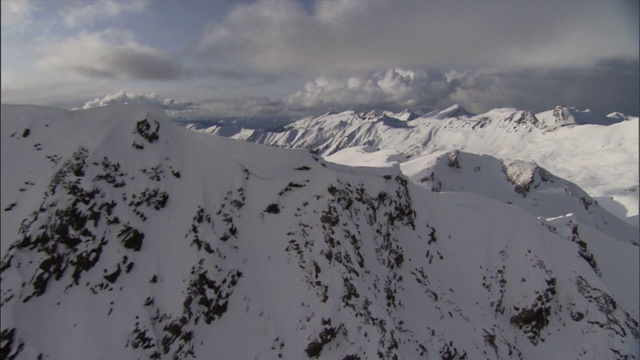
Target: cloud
{"points": [[393, 89], [535, 89], [110, 54], [76, 15], [123, 97], [356, 36], [16, 14], [610, 85]]}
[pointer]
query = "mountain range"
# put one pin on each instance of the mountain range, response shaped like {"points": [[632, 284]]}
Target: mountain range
{"points": [[125, 236], [598, 153]]}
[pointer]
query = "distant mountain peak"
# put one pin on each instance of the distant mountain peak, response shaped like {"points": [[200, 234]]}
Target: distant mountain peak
{"points": [[453, 111], [523, 118], [618, 116], [375, 113], [406, 115], [563, 115]]}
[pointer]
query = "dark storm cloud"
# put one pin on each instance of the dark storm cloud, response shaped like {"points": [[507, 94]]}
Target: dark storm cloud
{"points": [[610, 85]]}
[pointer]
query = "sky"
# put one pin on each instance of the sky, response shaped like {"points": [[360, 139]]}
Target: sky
{"points": [[292, 58]]}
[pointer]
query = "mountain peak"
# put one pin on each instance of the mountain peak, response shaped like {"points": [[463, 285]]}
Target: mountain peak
{"points": [[124, 236], [618, 116], [568, 115], [406, 115], [374, 113], [453, 111]]}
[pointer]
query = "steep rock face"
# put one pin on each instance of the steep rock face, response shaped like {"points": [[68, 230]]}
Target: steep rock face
{"points": [[145, 240]]}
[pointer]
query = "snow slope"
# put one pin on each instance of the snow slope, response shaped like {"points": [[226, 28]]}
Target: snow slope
{"points": [[517, 182], [124, 236], [598, 153]]}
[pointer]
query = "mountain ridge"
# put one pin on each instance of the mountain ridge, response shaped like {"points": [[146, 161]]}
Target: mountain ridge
{"points": [[573, 149], [135, 238]]}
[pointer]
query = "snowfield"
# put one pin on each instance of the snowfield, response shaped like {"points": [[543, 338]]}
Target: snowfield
{"points": [[598, 153], [125, 236]]}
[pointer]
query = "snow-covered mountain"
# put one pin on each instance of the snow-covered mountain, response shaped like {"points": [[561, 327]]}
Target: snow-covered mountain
{"points": [[598, 153], [517, 182], [125, 236]]}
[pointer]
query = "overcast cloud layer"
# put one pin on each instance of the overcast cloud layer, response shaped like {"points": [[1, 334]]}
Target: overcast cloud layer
{"points": [[281, 36], [294, 58]]}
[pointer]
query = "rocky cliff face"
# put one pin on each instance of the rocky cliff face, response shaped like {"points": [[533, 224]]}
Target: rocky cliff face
{"points": [[124, 236]]}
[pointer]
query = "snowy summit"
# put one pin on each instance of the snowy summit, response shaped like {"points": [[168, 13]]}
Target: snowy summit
{"points": [[126, 236]]}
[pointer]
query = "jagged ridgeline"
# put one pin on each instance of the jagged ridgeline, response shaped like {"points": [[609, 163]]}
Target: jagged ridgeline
{"points": [[124, 236], [596, 152]]}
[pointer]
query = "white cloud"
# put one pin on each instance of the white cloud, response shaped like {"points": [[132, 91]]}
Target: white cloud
{"points": [[535, 89], [16, 14], [390, 89], [123, 97], [110, 54], [75, 15], [396, 89]]}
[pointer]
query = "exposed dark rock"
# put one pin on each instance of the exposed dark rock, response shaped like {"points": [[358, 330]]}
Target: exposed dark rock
{"points": [[577, 315], [131, 238], [154, 199], [8, 348], [586, 203], [113, 276], [453, 161], [617, 320], [314, 348], [584, 250], [111, 173], [534, 319], [148, 130], [351, 357], [141, 339], [290, 187], [272, 209]]}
